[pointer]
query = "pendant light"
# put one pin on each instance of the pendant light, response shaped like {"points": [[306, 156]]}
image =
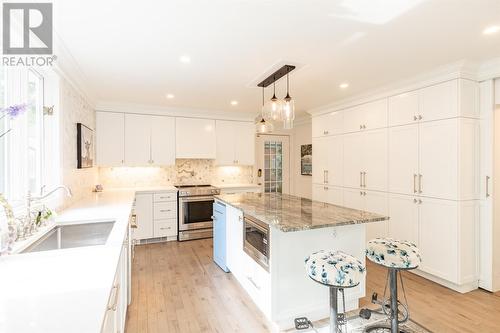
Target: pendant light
{"points": [[264, 126], [272, 110], [288, 111]]}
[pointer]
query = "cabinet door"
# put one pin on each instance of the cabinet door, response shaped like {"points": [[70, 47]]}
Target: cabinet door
{"points": [[137, 140], [403, 159], [353, 159], [439, 158], [334, 155], [335, 195], [162, 140], [226, 144], [403, 222], [320, 160], [110, 138], [245, 143], [144, 212], [319, 126], [375, 160], [234, 225], [374, 114], [439, 101], [320, 193], [376, 202], [438, 233], [354, 199], [195, 138], [353, 119], [403, 108]]}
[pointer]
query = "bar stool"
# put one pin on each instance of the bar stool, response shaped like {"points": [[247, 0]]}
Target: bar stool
{"points": [[338, 271], [396, 256]]}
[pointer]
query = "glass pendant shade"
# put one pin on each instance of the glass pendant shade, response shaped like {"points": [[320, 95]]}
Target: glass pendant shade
{"points": [[263, 127], [288, 112]]}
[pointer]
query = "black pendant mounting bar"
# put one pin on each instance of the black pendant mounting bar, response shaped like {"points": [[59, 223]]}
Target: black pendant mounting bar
{"points": [[276, 76]]}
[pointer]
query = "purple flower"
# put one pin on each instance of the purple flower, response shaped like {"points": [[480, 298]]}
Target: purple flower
{"points": [[14, 110]]}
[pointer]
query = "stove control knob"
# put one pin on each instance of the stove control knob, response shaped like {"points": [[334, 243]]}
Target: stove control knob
{"points": [[183, 193]]}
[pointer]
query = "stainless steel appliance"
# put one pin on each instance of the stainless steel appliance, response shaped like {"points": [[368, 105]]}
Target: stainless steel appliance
{"points": [[195, 211], [256, 240]]}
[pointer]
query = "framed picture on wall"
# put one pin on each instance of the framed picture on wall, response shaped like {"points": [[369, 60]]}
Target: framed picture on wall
{"points": [[85, 146], [306, 160]]}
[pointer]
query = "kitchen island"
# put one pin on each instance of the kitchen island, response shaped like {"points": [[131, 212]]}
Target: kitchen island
{"points": [[268, 237]]}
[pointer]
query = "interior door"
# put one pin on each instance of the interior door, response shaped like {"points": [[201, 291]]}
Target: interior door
{"points": [[403, 222], [137, 140], [403, 159], [353, 159], [375, 160], [273, 161], [320, 160], [438, 159]]}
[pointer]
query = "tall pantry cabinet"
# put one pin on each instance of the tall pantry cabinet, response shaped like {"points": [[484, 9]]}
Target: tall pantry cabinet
{"points": [[414, 157]]}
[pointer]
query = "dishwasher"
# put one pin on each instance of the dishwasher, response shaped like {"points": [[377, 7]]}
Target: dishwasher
{"points": [[219, 232]]}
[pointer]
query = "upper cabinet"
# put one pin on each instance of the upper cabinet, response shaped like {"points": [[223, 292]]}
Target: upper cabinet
{"points": [[110, 138], [446, 100], [149, 140], [195, 138], [366, 116], [327, 124], [235, 143]]}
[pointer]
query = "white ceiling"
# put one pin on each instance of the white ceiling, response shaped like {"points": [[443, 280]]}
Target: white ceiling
{"points": [[129, 50]]}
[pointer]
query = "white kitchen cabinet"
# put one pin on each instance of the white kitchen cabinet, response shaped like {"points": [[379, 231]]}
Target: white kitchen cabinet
{"points": [[144, 216], [327, 124], [404, 108], [329, 194], [403, 212], [403, 159], [328, 168], [320, 161], [438, 151], [439, 101], [110, 138], [372, 201], [137, 140], [235, 143], [365, 160], [234, 232], [367, 116], [162, 140], [195, 138]]}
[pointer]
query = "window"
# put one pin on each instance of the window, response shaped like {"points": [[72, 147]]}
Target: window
{"points": [[22, 149], [273, 166]]}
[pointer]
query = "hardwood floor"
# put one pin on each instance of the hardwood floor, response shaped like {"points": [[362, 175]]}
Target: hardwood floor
{"points": [[176, 287]]}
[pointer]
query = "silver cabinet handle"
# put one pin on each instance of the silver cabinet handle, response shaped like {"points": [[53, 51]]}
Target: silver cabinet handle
{"points": [[487, 186], [165, 210], [414, 183], [364, 179], [253, 282], [420, 117], [213, 217], [415, 118], [361, 179], [326, 174], [115, 301], [419, 183], [165, 228], [415, 200], [419, 201]]}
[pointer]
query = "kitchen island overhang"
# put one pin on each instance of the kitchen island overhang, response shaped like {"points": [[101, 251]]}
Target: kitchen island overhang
{"points": [[297, 227]]}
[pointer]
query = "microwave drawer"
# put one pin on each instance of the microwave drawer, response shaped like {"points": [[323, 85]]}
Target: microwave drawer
{"points": [[163, 197], [165, 210]]}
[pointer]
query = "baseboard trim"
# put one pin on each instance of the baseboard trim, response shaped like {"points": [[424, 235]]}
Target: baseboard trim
{"points": [[461, 288]]}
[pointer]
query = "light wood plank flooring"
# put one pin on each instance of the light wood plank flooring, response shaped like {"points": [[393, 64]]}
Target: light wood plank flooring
{"points": [[176, 287]]}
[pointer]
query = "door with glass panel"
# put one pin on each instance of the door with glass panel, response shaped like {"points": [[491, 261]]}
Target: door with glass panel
{"points": [[273, 163]]}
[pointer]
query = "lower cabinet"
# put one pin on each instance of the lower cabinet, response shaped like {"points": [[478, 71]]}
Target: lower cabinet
{"points": [[156, 215], [329, 194], [116, 313]]}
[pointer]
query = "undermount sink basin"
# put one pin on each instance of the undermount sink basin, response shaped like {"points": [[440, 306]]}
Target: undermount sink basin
{"points": [[75, 235]]}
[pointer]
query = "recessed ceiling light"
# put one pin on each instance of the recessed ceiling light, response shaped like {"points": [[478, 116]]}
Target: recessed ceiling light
{"points": [[344, 85], [491, 30], [170, 96], [185, 59], [234, 102]]}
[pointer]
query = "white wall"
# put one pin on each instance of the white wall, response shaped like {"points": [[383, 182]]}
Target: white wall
{"points": [[301, 185]]}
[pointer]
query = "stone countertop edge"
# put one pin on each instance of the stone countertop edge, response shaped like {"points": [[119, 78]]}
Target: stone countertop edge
{"points": [[272, 217]]}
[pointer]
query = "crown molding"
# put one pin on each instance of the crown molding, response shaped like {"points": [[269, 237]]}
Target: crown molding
{"points": [[489, 70], [171, 111], [460, 69]]}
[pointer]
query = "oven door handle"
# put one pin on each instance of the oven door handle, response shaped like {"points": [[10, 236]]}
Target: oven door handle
{"points": [[196, 199], [256, 226]]}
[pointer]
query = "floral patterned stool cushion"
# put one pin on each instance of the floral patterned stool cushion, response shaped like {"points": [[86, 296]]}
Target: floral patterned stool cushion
{"points": [[393, 253], [335, 269]]}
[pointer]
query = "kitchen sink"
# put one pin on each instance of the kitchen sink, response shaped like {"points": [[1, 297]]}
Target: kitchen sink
{"points": [[74, 235]]}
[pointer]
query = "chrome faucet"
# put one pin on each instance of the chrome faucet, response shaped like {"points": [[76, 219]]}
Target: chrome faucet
{"points": [[42, 196]]}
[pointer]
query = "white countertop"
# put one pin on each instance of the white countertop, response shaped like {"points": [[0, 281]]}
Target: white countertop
{"points": [[67, 290]]}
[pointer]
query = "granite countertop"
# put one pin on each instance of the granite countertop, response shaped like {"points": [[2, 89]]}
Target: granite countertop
{"points": [[291, 213]]}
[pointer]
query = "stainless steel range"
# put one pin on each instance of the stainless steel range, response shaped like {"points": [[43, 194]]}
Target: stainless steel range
{"points": [[195, 211]]}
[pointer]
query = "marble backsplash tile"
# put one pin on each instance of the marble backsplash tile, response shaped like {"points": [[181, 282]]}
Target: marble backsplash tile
{"points": [[185, 171]]}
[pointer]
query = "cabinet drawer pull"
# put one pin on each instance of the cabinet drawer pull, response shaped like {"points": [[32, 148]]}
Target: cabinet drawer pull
{"points": [[165, 228], [414, 183], [114, 305], [165, 210], [419, 183]]}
